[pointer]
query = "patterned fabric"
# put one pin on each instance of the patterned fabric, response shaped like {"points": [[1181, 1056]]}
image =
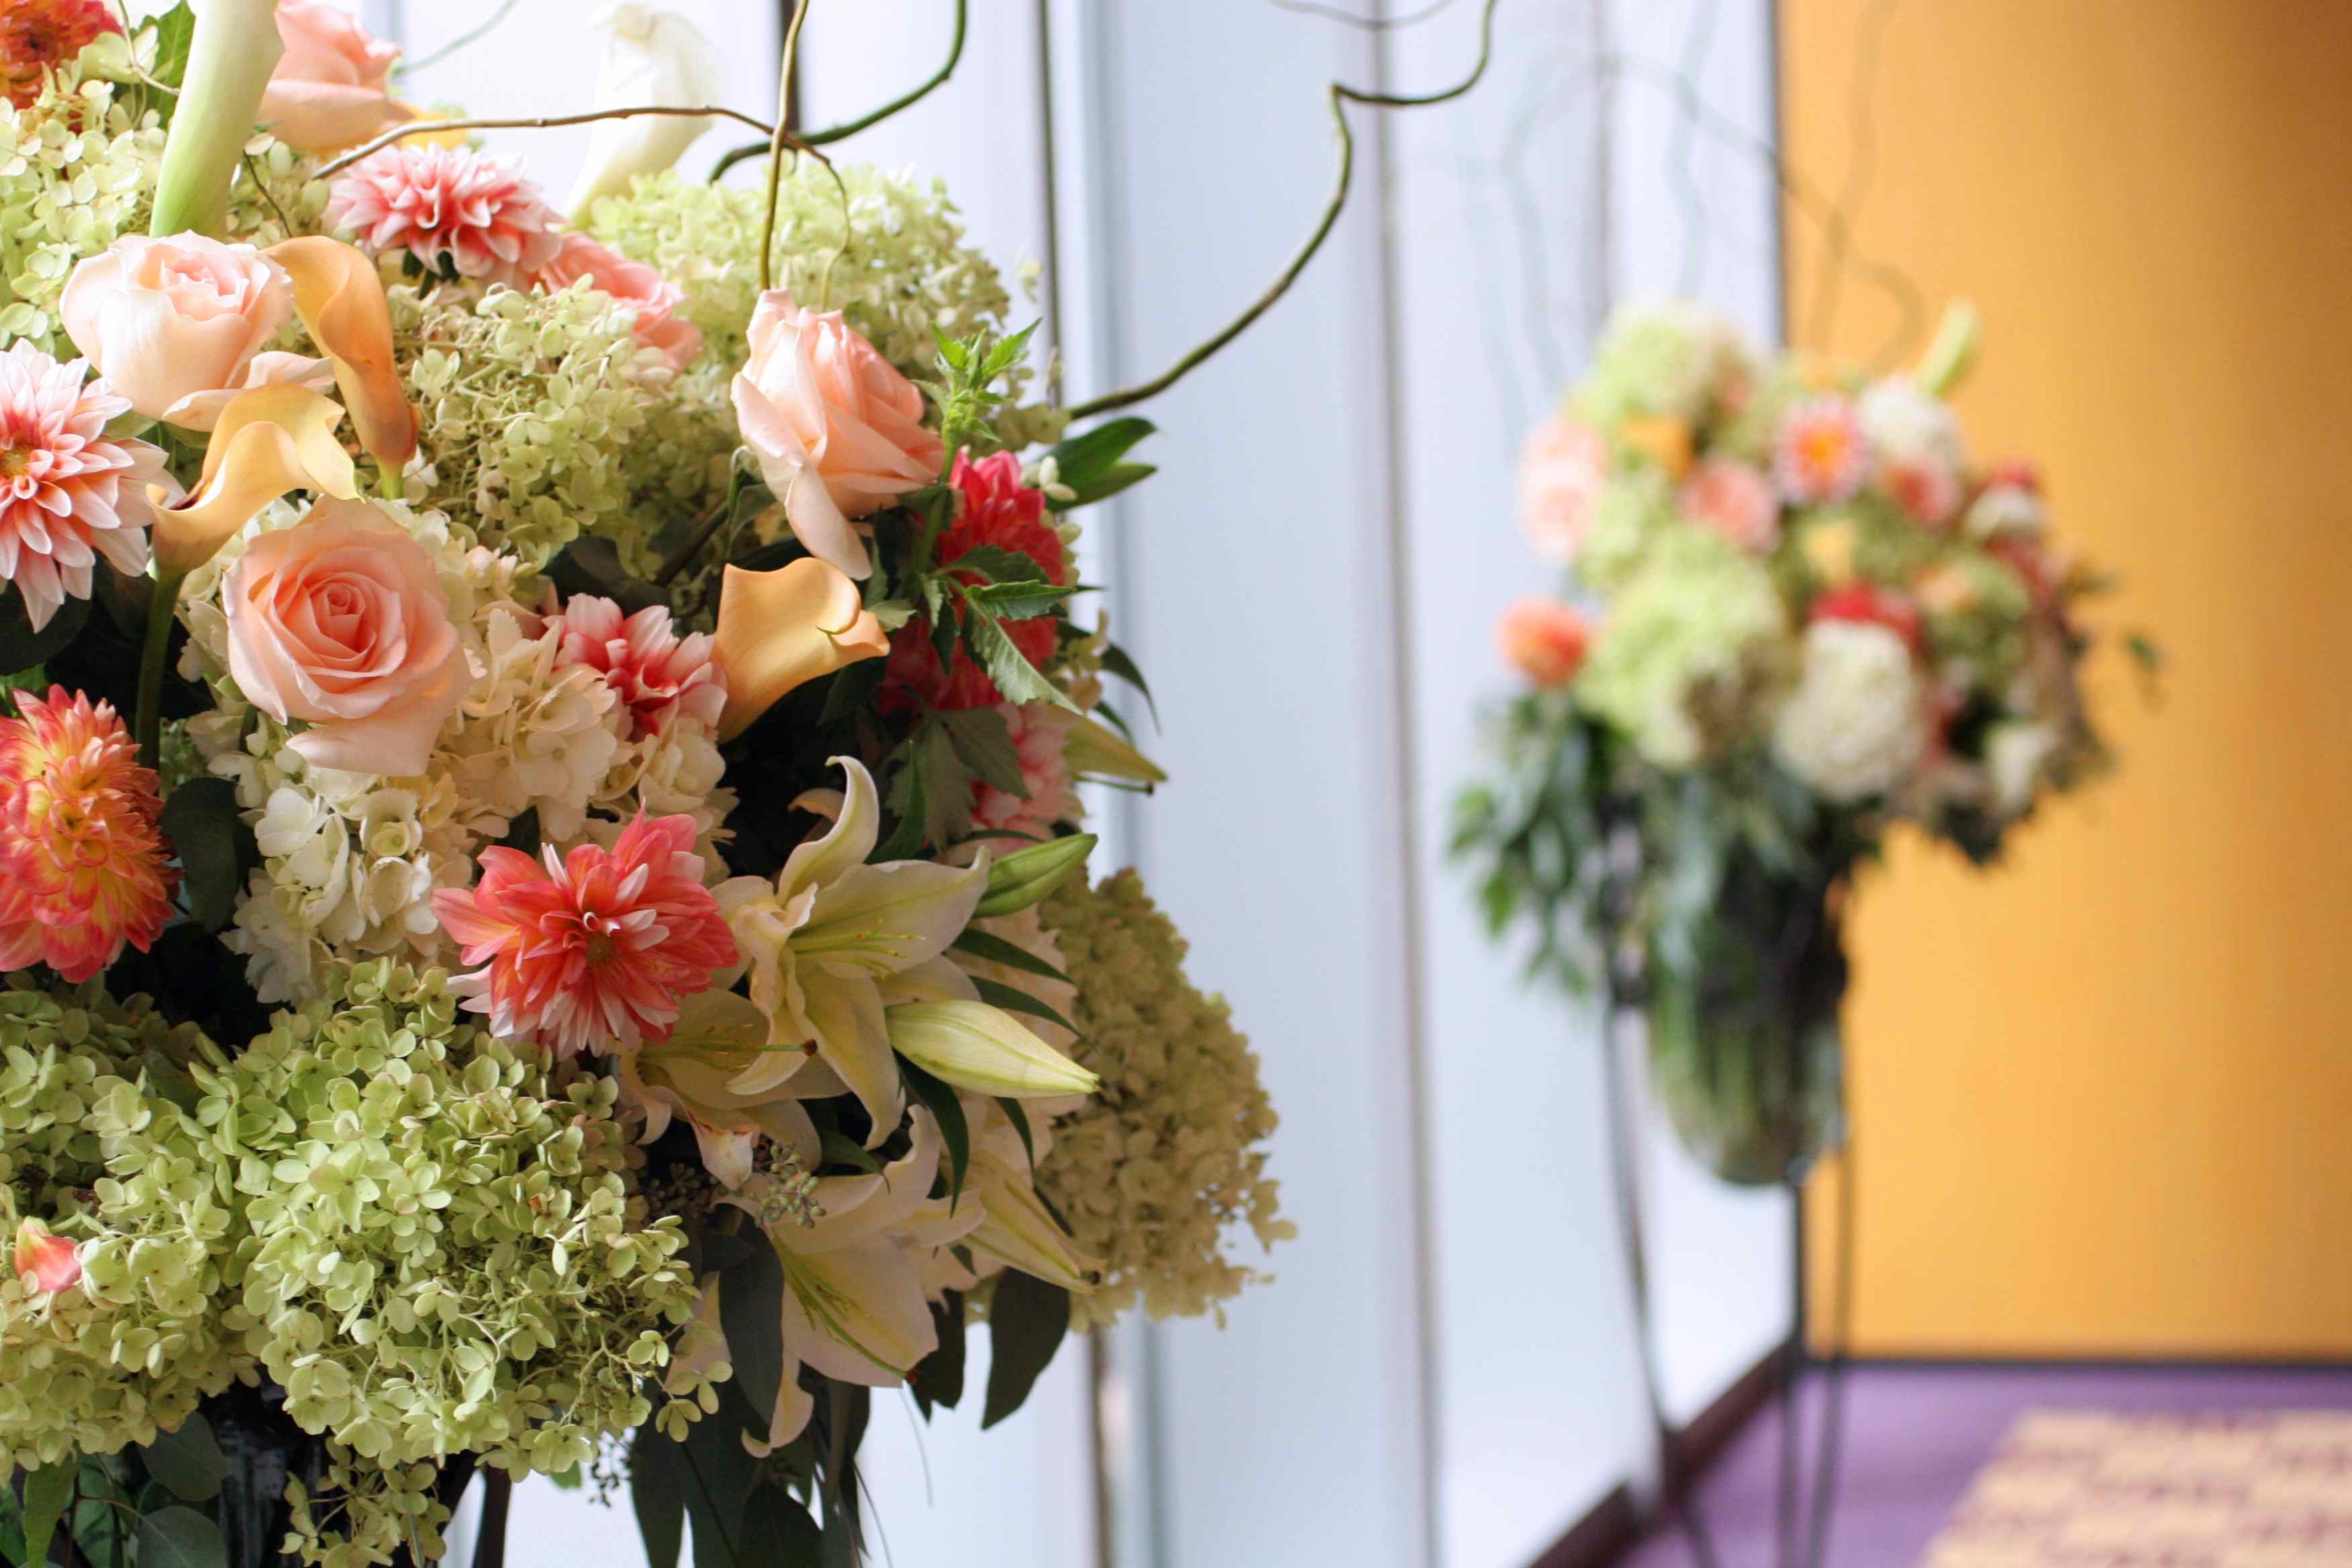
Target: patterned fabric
{"points": [[2087, 1491]]}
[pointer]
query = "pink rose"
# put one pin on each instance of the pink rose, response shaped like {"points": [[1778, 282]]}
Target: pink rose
{"points": [[340, 621], [1544, 640], [333, 86], [580, 259], [839, 434], [177, 325], [1561, 474], [1736, 500]]}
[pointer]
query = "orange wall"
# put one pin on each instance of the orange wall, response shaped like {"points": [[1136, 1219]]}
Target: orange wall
{"points": [[2104, 1096]]}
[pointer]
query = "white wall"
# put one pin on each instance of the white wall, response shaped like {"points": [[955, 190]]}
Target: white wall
{"points": [[1442, 1373]]}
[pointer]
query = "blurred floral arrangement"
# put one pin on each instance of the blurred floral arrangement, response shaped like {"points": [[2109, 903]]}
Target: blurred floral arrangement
{"points": [[549, 934], [1818, 616]]}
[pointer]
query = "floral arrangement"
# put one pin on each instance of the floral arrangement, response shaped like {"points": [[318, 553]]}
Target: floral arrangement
{"points": [[544, 920], [1799, 613]]}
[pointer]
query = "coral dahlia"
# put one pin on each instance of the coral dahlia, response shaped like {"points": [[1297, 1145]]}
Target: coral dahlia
{"points": [[1822, 455], [997, 509], [36, 37], [69, 494], [449, 205], [658, 674], [84, 868], [593, 950]]}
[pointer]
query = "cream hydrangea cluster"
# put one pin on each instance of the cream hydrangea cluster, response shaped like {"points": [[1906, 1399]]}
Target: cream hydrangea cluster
{"points": [[351, 861], [884, 249], [444, 1256], [1150, 1174], [1668, 359], [97, 1144], [1857, 720]]}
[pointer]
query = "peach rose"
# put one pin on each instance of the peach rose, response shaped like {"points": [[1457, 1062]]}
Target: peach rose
{"points": [[333, 86], [177, 325], [1561, 478], [580, 259], [839, 433], [340, 621], [1736, 500], [1544, 640]]}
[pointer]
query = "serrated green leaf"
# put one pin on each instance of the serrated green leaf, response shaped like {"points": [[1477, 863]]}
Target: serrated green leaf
{"points": [[179, 1537], [1017, 678], [998, 994], [984, 742], [998, 564], [1019, 601], [211, 839], [1008, 352], [996, 950], [1026, 1320], [188, 1462], [953, 1130]]}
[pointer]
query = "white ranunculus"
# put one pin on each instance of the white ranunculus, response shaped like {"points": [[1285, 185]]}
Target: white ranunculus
{"points": [[651, 57], [1857, 721]]}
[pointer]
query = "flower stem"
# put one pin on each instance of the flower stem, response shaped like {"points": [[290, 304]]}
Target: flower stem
{"points": [[156, 646]]}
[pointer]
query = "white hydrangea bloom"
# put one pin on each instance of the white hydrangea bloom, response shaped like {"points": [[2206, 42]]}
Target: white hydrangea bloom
{"points": [[1905, 424], [1857, 721], [534, 733]]}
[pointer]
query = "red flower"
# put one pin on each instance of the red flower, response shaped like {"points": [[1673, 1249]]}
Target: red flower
{"points": [[594, 950], [1873, 606], [997, 509]]}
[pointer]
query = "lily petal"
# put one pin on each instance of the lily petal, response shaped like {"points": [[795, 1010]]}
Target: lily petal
{"points": [[1018, 1232], [862, 1315], [884, 918], [853, 1037], [268, 441], [340, 297], [780, 630], [845, 845]]}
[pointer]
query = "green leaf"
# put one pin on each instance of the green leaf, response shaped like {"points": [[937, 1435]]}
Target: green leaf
{"points": [[1026, 1320], [1027, 876], [1115, 660], [954, 353], [778, 1532], [569, 1481], [180, 1537], [984, 742], [657, 1494], [1008, 352], [1019, 601], [46, 1492], [592, 564], [840, 1149], [997, 995], [937, 1378], [953, 1128], [189, 1461], [910, 799], [998, 564], [996, 950], [21, 647], [1120, 477], [1017, 678], [1016, 1113], [212, 841], [1083, 461], [719, 1476], [751, 1311], [175, 30]]}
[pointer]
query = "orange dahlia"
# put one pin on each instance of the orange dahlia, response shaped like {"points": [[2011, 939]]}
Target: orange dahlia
{"points": [[84, 868], [36, 37]]}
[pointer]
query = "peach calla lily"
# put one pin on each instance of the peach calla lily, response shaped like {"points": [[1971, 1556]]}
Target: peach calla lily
{"points": [[782, 629], [340, 297], [269, 440]]}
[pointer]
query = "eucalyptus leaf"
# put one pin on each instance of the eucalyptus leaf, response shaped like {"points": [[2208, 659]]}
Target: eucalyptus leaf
{"points": [[657, 1494], [937, 1378], [21, 646], [778, 1532], [47, 1491], [1082, 461], [953, 1130], [189, 1461], [1116, 661], [751, 1311], [180, 1537], [1026, 1320], [214, 844]]}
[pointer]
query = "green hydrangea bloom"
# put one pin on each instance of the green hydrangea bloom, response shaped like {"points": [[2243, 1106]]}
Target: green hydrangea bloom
{"points": [[1693, 645], [443, 1255], [1151, 1172], [76, 168], [1636, 507], [886, 249], [1667, 358], [96, 1143], [543, 417], [365, 1513]]}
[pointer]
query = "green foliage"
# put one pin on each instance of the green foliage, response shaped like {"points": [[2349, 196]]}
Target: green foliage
{"points": [[1028, 1319]]}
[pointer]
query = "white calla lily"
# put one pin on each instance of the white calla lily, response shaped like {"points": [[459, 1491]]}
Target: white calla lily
{"points": [[821, 943], [652, 58]]}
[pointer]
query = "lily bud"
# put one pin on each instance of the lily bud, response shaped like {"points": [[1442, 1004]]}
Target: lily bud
{"points": [[974, 1046]]}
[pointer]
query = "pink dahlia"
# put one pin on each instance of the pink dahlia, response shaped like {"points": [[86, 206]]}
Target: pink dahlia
{"points": [[68, 493], [580, 259], [1736, 500], [591, 951], [448, 205], [36, 37], [1822, 455], [1561, 474], [658, 674], [1040, 733], [84, 866]]}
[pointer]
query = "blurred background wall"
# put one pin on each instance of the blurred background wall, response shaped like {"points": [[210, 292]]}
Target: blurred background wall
{"points": [[2100, 1094]]}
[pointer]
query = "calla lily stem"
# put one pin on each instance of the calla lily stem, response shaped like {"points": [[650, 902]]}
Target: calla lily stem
{"points": [[154, 648]]}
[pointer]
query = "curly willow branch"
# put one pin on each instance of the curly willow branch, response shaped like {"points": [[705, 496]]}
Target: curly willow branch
{"points": [[833, 133], [545, 123], [776, 139], [1340, 96]]}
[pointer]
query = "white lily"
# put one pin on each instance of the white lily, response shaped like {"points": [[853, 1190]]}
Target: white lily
{"points": [[719, 1036], [652, 58], [822, 943], [1016, 1230], [854, 1307]]}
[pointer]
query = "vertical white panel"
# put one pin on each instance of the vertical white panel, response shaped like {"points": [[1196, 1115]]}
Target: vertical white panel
{"points": [[1254, 583], [1695, 214], [1501, 236]]}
